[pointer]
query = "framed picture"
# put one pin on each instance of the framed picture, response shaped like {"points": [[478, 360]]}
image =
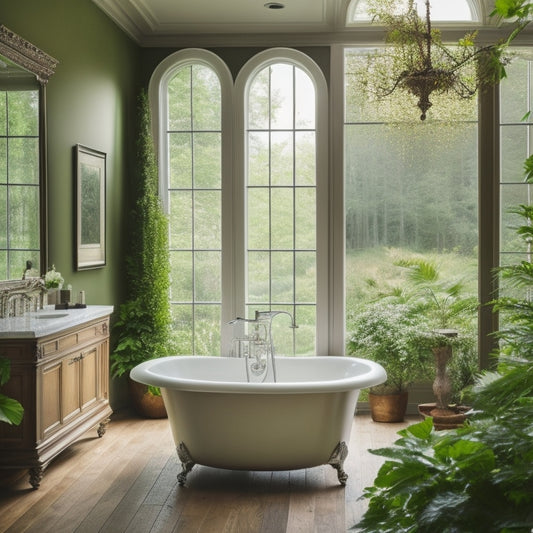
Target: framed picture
{"points": [[90, 207]]}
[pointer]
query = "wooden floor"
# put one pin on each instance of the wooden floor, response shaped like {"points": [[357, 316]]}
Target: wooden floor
{"points": [[126, 481]]}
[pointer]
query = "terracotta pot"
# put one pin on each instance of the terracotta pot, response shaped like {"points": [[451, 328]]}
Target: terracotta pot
{"points": [[388, 407], [450, 418], [145, 403]]}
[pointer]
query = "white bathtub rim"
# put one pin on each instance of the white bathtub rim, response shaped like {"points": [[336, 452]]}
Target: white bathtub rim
{"points": [[147, 373]]}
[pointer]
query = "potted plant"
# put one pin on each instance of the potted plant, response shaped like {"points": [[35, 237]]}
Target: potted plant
{"points": [[143, 328], [387, 332], [451, 319]]}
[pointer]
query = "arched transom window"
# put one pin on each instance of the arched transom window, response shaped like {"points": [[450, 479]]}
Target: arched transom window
{"points": [[441, 10]]}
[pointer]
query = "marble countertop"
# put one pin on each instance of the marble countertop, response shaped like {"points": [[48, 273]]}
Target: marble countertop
{"points": [[48, 321]]}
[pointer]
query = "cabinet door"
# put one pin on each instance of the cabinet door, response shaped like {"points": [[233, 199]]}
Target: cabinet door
{"points": [[89, 373], [51, 400], [70, 386]]}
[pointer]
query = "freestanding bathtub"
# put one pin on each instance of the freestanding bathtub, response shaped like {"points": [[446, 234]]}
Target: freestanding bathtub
{"points": [[221, 420]]}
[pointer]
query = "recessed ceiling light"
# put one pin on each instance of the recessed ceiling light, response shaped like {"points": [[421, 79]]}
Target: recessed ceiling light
{"points": [[274, 5]]}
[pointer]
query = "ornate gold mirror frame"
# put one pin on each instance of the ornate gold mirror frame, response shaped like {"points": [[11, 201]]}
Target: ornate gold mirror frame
{"points": [[26, 55]]}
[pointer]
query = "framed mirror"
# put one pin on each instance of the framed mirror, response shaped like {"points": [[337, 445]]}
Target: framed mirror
{"points": [[24, 72]]}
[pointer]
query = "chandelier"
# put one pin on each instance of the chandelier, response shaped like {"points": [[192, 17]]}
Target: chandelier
{"points": [[418, 62]]}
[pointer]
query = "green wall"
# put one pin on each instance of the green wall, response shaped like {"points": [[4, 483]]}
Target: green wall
{"points": [[91, 100]]}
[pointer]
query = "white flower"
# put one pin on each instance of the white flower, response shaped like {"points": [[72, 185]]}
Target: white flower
{"points": [[53, 279]]}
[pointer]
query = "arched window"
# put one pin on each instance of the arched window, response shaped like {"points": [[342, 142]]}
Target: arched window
{"points": [[192, 92], [441, 11], [250, 235], [284, 151]]}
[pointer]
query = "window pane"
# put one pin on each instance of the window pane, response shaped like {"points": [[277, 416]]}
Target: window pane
{"points": [[282, 96], [259, 101], [258, 218], [180, 220], [179, 101], [281, 158], [181, 288], [282, 268], [305, 157], [517, 95], [305, 219], [3, 160], [444, 10], [258, 158], [258, 277], [514, 150], [23, 113], [3, 114], [207, 287], [305, 278], [23, 160], [180, 160], [183, 328], [282, 237], [304, 100], [207, 220], [207, 160], [3, 264], [206, 89], [207, 329], [510, 197], [23, 222], [3, 217]]}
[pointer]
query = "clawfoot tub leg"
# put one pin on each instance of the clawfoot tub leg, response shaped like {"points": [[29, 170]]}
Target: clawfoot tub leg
{"points": [[337, 461], [186, 463]]}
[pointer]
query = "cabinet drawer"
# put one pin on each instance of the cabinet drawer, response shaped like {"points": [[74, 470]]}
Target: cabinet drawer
{"points": [[86, 335]]}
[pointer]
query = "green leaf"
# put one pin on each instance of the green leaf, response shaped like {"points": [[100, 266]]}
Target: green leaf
{"points": [[422, 430], [11, 411]]}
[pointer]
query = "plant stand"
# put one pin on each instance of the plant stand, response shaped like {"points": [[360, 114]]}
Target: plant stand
{"points": [[445, 416]]}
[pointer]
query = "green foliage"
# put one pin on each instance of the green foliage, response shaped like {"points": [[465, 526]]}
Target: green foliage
{"points": [[394, 324], [480, 477], [11, 411], [388, 333], [143, 328]]}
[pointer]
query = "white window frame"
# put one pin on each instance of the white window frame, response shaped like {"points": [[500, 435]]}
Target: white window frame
{"points": [[242, 86], [233, 176]]}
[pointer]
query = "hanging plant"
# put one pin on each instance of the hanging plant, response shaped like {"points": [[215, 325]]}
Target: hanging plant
{"points": [[417, 61]]}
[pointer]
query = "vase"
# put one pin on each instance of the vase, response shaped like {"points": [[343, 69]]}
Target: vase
{"points": [[53, 296], [144, 402], [388, 407]]}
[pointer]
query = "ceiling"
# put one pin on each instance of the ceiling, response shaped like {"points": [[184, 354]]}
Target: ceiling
{"points": [[166, 22], [232, 22]]}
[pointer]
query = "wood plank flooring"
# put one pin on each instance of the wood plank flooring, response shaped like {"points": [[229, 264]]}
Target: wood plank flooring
{"points": [[126, 482]]}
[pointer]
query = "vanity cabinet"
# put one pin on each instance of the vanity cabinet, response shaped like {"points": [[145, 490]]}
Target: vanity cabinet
{"points": [[62, 381]]}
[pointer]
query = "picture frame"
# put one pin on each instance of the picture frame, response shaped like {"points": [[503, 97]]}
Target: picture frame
{"points": [[90, 173]]}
